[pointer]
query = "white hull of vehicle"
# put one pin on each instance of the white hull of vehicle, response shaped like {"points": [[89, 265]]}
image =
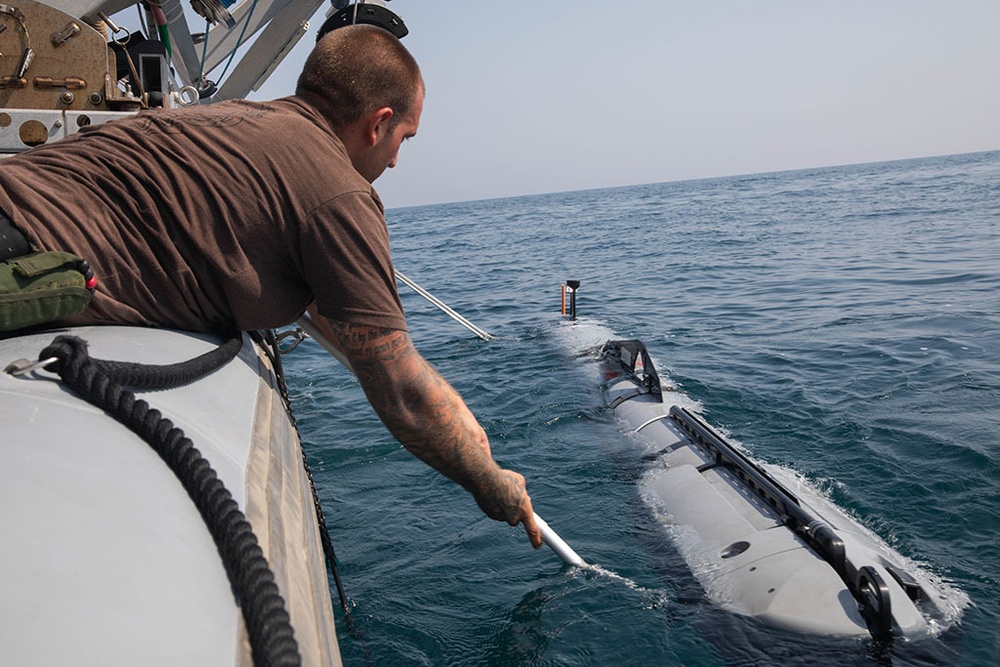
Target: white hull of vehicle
{"points": [[790, 559], [106, 560]]}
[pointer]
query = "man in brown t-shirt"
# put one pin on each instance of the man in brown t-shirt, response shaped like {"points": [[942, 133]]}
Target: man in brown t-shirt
{"points": [[243, 215]]}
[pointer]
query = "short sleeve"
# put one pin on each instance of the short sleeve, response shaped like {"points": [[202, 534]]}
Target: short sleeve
{"points": [[344, 246]]}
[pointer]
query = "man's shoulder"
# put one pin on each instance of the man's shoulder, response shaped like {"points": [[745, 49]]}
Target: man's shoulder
{"points": [[228, 114]]}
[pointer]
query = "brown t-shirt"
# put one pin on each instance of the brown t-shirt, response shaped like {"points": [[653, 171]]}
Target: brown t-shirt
{"points": [[232, 214]]}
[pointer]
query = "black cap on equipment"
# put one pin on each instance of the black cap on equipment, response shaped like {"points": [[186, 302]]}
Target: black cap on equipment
{"points": [[362, 12]]}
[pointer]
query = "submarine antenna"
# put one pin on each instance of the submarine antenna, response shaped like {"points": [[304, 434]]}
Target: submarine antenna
{"points": [[569, 289]]}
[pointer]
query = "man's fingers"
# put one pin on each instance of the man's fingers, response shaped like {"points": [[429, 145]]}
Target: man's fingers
{"points": [[525, 512], [514, 506], [531, 527]]}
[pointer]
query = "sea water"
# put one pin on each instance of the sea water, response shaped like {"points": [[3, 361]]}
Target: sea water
{"points": [[841, 324]]}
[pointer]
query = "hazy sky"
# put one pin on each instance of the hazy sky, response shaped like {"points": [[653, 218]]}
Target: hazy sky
{"points": [[560, 95]]}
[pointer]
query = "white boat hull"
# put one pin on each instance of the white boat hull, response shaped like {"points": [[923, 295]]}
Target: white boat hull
{"points": [[106, 560]]}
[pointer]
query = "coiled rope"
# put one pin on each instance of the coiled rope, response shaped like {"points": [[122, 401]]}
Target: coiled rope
{"points": [[101, 383]]}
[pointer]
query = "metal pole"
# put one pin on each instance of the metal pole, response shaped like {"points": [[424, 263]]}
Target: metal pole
{"points": [[443, 306], [556, 543]]}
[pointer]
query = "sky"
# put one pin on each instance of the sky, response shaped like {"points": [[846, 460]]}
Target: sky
{"points": [[561, 95]]}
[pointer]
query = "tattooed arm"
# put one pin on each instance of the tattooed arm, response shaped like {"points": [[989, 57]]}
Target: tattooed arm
{"points": [[430, 418]]}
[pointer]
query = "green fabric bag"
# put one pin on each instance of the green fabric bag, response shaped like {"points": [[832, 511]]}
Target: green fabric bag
{"points": [[41, 287]]}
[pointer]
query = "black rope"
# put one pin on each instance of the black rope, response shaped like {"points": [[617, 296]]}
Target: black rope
{"points": [[272, 640], [269, 343], [324, 532], [324, 538], [168, 376]]}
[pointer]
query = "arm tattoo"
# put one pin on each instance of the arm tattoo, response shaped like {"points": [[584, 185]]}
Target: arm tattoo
{"points": [[426, 414]]}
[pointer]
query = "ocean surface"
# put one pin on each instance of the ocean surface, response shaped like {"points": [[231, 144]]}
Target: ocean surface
{"points": [[843, 323]]}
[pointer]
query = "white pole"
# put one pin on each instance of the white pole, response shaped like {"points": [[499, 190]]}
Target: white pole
{"points": [[557, 544], [443, 306], [307, 325]]}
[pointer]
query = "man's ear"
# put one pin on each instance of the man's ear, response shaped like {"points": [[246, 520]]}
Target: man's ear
{"points": [[377, 125]]}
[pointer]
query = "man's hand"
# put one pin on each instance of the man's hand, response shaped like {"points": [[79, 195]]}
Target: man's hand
{"points": [[508, 500]]}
